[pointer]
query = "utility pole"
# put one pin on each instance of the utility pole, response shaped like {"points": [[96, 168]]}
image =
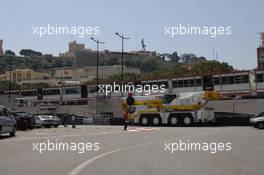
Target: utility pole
{"points": [[122, 38], [10, 84], [97, 60]]}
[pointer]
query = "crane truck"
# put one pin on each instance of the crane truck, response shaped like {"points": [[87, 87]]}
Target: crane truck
{"points": [[182, 109]]}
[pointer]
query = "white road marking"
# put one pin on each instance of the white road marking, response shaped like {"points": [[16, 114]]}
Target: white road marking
{"points": [[148, 129], [143, 129], [133, 130], [81, 166], [60, 136]]}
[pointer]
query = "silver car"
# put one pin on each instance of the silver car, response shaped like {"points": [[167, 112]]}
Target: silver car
{"points": [[45, 121], [39, 122], [56, 121], [258, 121], [7, 123]]}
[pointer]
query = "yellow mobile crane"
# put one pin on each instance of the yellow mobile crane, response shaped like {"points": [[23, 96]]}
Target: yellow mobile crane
{"points": [[171, 109]]}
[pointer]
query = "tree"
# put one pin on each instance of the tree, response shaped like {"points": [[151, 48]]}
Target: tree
{"points": [[211, 67], [29, 53], [10, 53], [148, 64], [57, 63], [4, 85], [127, 77], [133, 61], [36, 85], [174, 57]]}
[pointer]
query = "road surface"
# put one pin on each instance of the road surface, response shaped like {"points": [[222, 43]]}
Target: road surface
{"points": [[138, 151]]}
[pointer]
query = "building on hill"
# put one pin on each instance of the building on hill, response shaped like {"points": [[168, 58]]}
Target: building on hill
{"points": [[260, 52], [87, 58], [89, 73], [21, 76], [79, 55], [144, 53]]}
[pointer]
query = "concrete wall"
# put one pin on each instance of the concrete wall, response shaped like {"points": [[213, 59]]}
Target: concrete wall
{"points": [[93, 107], [249, 106]]}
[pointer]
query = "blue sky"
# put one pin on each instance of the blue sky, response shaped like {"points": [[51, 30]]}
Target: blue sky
{"points": [[139, 19]]}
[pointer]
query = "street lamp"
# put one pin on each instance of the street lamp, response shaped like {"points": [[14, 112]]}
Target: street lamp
{"points": [[97, 59], [10, 84], [123, 38]]}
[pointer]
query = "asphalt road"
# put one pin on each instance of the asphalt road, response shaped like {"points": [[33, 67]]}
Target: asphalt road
{"points": [[138, 151]]}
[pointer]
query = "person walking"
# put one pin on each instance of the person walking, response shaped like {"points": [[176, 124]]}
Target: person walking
{"points": [[129, 102], [126, 122], [65, 121], [73, 118]]}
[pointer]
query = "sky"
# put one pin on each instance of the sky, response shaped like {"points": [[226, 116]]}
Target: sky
{"points": [[138, 19]]}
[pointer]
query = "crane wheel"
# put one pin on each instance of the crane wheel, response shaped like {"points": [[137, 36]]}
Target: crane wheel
{"points": [[156, 121], [144, 121], [173, 121], [187, 121]]}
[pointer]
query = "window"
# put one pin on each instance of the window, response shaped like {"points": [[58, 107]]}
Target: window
{"points": [[67, 78], [72, 91], [4, 112], [238, 79], [245, 79], [260, 114], [231, 80], [180, 83], [166, 84], [51, 92], [224, 80], [29, 93], [154, 83], [185, 83], [28, 76], [259, 77], [216, 80], [198, 82], [19, 77], [168, 98], [174, 83], [192, 83]]}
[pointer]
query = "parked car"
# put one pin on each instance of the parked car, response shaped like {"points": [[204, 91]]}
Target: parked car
{"points": [[258, 120], [56, 121], [38, 121], [32, 121], [7, 122], [24, 120], [46, 120], [21, 123], [88, 120]]}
